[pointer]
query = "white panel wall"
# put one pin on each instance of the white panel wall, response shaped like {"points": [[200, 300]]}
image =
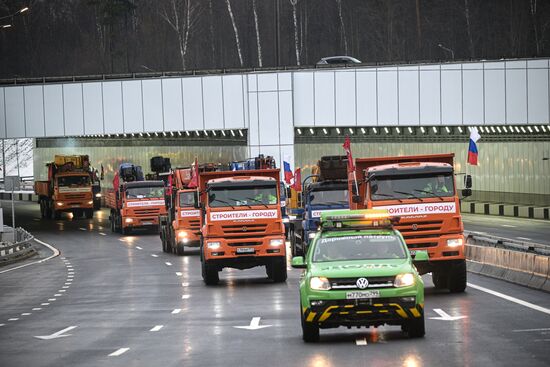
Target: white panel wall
{"points": [[537, 93], [172, 104], [430, 95], [34, 111], [451, 95], [92, 97], [303, 99], [495, 110], [53, 110], [268, 118], [285, 118], [367, 106], [472, 94], [346, 110], [192, 104], [132, 106], [73, 110], [153, 119], [15, 112], [233, 101], [113, 107], [516, 96], [409, 103], [387, 97], [324, 103], [2, 115], [212, 97]]}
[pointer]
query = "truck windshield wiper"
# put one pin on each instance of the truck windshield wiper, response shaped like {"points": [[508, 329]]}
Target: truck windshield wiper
{"points": [[225, 202], [409, 193], [390, 196], [430, 193], [331, 203], [257, 201]]}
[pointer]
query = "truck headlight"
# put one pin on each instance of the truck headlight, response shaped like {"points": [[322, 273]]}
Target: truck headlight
{"points": [[404, 280], [276, 242], [128, 220], [213, 245], [286, 220], [182, 234], [90, 202], [454, 242], [59, 203], [311, 235], [319, 284], [98, 195]]}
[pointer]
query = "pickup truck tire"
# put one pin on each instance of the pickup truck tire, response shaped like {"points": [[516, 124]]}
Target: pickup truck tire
{"points": [[210, 274], [415, 327], [277, 270], [89, 213], [457, 277], [310, 331]]}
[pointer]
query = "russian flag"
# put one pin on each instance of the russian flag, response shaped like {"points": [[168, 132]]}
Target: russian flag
{"points": [[288, 172], [472, 148]]}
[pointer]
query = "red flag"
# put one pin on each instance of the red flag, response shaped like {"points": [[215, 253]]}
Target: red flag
{"points": [[347, 148], [195, 179], [297, 184]]}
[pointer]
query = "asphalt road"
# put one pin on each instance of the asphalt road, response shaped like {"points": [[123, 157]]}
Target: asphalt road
{"points": [[120, 301], [519, 229]]}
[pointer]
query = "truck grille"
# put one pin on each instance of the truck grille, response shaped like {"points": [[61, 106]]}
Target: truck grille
{"points": [[429, 229], [350, 283], [245, 243], [195, 224], [147, 212], [241, 229], [75, 196]]}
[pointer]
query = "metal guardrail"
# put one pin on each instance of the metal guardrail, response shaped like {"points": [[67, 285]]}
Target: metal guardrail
{"points": [[482, 239], [20, 246]]}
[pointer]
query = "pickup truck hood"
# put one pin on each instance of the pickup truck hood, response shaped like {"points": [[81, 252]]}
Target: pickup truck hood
{"points": [[361, 268]]}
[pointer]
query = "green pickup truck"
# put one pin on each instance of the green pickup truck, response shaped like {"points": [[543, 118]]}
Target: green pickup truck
{"points": [[359, 272]]}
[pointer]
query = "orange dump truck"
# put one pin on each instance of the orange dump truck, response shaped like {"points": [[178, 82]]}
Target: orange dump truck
{"points": [[421, 190], [68, 188], [180, 227], [242, 225]]}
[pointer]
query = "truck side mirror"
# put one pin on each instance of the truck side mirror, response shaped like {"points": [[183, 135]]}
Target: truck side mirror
{"points": [[466, 193], [356, 199], [468, 181]]}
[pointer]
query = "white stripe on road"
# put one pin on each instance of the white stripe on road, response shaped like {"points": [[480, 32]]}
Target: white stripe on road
{"points": [[510, 298], [82, 229], [103, 234], [55, 253], [524, 238], [118, 352], [157, 328], [529, 330], [508, 225], [154, 255], [185, 296], [178, 274], [2, 324], [26, 314], [185, 284], [139, 248], [177, 310], [13, 319], [37, 308], [44, 304], [57, 295], [168, 264], [51, 299], [361, 341]]}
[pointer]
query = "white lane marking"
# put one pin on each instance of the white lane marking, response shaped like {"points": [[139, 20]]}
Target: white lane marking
{"points": [[62, 290], [508, 225], [26, 314], [510, 298], [37, 308], [186, 296], [103, 234], [55, 253], [58, 334], [445, 316], [122, 239], [2, 324], [139, 248], [51, 299], [154, 255], [13, 319], [524, 238], [118, 352], [168, 264], [63, 258], [65, 287], [157, 328], [529, 330], [176, 311], [178, 274], [57, 295], [185, 284], [254, 324], [44, 304], [83, 229], [361, 341]]}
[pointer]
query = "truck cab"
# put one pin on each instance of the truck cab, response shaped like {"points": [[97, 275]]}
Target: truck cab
{"points": [[242, 224], [421, 190], [180, 228]]}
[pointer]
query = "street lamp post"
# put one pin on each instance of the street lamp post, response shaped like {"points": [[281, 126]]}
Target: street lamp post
{"points": [[9, 25], [447, 49]]}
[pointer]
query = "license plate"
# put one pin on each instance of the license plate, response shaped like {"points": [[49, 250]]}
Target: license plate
{"points": [[363, 295], [75, 206], [245, 250], [147, 223]]}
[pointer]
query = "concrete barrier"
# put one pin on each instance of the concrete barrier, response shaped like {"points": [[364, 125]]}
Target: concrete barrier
{"points": [[507, 210], [541, 213]]}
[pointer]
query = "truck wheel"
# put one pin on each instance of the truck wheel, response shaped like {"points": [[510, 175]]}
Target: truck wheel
{"points": [[126, 231], [277, 270], [310, 331], [112, 221], [55, 214], [42, 209], [210, 274], [457, 277], [180, 249], [439, 279], [415, 327], [89, 213]]}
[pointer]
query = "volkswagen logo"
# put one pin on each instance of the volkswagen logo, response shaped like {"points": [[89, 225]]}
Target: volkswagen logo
{"points": [[362, 283], [414, 227], [245, 229]]}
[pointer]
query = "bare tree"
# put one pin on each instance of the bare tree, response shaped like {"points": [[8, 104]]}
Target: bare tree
{"points": [[258, 42], [237, 41], [295, 23], [469, 28], [342, 27], [181, 16], [533, 11]]}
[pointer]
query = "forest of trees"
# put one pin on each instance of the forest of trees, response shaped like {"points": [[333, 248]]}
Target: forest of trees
{"points": [[86, 37]]}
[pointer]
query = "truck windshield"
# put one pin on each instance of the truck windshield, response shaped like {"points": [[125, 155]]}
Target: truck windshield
{"points": [[363, 247], [187, 199], [329, 197], [411, 187], [74, 180], [242, 196], [144, 192]]}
